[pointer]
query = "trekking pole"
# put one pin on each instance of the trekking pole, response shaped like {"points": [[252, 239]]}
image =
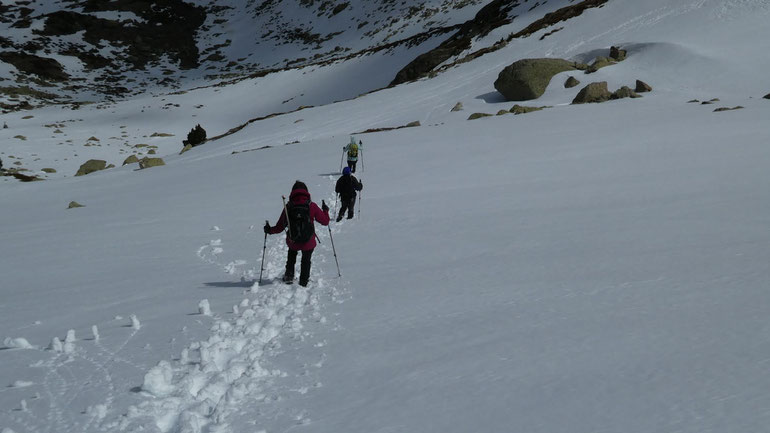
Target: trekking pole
{"points": [[361, 147], [342, 158], [335, 251], [286, 212], [360, 192], [264, 247], [336, 199]]}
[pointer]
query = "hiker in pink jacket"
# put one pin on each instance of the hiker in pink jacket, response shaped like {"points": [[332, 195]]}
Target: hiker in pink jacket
{"points": [[299, 214]]}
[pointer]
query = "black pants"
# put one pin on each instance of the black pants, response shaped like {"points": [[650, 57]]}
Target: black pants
{"points": [[348, 203], [352, 165], [304, 272]]}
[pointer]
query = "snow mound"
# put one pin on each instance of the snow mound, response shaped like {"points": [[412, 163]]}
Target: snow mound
{"points": [[17, 343]]}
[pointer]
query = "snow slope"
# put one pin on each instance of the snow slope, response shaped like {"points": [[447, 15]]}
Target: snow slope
{"points": [[577, 269]]}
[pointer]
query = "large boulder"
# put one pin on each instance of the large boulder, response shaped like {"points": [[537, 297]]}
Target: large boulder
{"points": [[594, 92], [91, 166], [151, 162], [528, 78]]}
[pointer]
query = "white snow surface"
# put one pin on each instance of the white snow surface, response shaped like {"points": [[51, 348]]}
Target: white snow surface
{"points": [[584, 268]]}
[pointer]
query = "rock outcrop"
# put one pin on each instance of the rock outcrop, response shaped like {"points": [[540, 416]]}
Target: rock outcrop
{"points": [[91, 166], [624, 92], [475, 116], [521, 109], [131, 160], [592, 93], [617, 54], [527, 79], [642, 87], [151, 162]]}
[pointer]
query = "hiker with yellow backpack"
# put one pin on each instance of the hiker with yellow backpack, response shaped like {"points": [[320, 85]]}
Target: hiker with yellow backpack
{"points": [[352, 150]]}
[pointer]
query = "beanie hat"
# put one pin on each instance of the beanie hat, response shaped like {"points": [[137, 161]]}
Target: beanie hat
{"points": [[346, 171], [299, 185]]}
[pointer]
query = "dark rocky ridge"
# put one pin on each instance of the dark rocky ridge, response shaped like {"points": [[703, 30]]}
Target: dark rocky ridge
{"points": [[490, 17], [169, 30]]}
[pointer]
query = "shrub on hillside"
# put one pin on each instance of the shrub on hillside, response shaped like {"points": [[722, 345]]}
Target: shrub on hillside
{"points": [[196, 136]]}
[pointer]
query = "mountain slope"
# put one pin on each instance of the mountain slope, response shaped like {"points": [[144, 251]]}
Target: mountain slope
{"points": [[597, 267]]}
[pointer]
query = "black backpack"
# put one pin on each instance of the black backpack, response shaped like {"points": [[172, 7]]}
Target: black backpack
{"points": [[301, 227]]}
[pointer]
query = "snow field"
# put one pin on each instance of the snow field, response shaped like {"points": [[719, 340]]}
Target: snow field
{"points": [[578, 269]]}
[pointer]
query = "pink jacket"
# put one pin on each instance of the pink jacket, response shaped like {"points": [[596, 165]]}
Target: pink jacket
{"points": [[316, 214]]}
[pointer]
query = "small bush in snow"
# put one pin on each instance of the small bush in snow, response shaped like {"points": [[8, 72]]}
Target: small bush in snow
{"points": [[196, 136]]}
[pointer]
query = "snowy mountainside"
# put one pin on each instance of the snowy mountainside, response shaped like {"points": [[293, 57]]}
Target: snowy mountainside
{"points": [[582, 268], [80, 50]]}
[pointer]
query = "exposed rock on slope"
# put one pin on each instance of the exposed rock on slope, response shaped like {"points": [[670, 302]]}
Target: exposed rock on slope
{"points": [[491, 16], [91, 166], [527, 79], [594, 92], [43, 67], [571, 82]]}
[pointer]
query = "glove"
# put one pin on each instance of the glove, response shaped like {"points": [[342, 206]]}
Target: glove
{"points": [[267, 228], [360, 185], [324, 207]]}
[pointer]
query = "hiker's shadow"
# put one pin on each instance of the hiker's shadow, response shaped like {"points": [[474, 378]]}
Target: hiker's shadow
{"points": [[231, 284]]}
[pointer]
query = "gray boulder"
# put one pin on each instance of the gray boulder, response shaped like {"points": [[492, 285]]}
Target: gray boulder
{"points": [[74, 204], [151, 162], [594, 92], [571, 82], [475, 116], [527, 79], [91, 166], [624, 92], [642, 87], [131, 160], [618, 54], [521, 109], [599, 62], [738, 107]]}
